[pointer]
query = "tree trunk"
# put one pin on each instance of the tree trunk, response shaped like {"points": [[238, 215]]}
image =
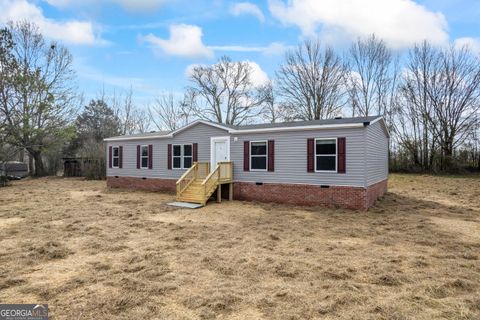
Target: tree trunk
{"points": [[447, 156], [39, 167]]}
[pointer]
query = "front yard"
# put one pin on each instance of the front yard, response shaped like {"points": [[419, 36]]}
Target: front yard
{"points": [[94, 253]]}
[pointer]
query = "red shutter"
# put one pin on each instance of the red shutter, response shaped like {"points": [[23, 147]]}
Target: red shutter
{"points": [[169, 154], [138, 157], [195, 152], [246, 155], [271, 155], [341, 148], [110, 156], [311, 155], [150, 156], [120, 157]]}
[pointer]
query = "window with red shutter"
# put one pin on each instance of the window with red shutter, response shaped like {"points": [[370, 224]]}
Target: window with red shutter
{"points": [[311, 155], [169, 157], [271, 155], [195, 152], [120, 157], [110, 156], [341, 158], [246, 155], [326, 155], [115, 157], [150, 156], [138, 156]]}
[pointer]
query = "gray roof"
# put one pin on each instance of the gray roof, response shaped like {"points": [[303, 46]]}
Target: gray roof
{"points": [[339, 121], [143, 135], [307, 123]]}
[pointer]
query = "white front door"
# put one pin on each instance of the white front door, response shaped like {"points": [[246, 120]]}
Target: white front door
{"points": [[220, 150]]}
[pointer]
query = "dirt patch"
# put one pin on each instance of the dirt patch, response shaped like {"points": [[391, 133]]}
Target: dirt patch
{"points": [[99, 253], [7, 222], [468, 230], [81, 195]]}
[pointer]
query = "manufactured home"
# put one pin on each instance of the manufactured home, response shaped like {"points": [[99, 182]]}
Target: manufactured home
{"points": [[340, 162]]}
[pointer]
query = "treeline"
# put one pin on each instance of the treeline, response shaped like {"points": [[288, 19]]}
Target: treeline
{"points": [[42, 115], [429, 97]]}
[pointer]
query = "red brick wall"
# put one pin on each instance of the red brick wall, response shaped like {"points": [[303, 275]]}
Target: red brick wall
{"points": [[376, 191], [150, 184], [298, 194], [310, 195]]}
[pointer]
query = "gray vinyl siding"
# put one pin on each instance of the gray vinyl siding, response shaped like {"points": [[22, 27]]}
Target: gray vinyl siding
{"points": [[376, 154], [199, 133], [291, 158], [366, 155]]}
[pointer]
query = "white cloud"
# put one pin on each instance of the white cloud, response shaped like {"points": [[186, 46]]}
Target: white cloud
{"points": [[399, 22], [258, 76], [276, 48], [76, 32], [472, 43], [248, 9], [273, 48], [185, 41], [130, 5]]}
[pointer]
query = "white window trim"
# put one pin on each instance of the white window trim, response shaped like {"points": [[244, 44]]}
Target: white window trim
{"points": [[142, 156], [266, 155], [181, 156], [118, 157], [331, 155]]}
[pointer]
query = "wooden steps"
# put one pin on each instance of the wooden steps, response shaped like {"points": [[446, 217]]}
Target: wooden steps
{"points": [[194, 193], [196, 186]]}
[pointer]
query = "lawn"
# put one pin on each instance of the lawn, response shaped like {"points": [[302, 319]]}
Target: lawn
{"points": [[94, 253]]}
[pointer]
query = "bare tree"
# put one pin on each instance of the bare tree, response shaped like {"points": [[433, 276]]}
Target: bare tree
{"points": [[412, 124], [132, 118], [224, 92], [373, 77], [454, 90], [311, 82], [42, 84], [168, 113], [440, 97], [272, 109]]}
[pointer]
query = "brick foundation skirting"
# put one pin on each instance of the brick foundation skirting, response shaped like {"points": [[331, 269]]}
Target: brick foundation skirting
{"points": [[311, 195], [376, 191], [150, 184], [297, 194]]}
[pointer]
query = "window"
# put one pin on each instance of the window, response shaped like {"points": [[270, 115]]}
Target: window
{"points": [[187, 156], [144, 157], [182, 156], [258, 155], [326, 155], [115, 157]]}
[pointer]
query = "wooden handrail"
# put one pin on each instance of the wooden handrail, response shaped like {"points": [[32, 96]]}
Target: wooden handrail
{"points": [[211, 174], [187, 172]]}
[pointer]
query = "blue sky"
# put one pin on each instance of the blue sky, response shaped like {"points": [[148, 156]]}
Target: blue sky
{"points": [[150, 44]]}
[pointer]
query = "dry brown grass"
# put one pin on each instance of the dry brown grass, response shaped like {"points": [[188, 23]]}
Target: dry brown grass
{"points": [[94, 253]]}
